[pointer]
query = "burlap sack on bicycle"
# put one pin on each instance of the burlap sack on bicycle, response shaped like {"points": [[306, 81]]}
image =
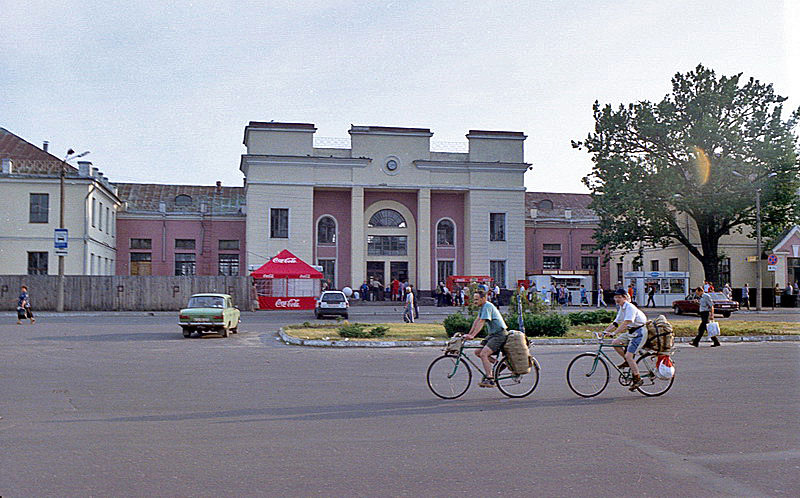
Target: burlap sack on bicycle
{"points": [[660, 336], [517, 352]]}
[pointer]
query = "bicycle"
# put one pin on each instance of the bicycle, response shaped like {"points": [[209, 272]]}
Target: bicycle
{"points": [[449, 376], [588, 374]]}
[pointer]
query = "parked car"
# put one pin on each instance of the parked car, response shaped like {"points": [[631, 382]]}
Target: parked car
{"points": [[332, 303], [209, 312], [722, 305]]}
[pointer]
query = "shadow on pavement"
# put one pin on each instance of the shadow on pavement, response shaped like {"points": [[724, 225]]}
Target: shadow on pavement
{"points": [[122, 337]]}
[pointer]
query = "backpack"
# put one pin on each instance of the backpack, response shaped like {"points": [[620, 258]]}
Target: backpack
{"points": [[518, 355], [660, 336]]}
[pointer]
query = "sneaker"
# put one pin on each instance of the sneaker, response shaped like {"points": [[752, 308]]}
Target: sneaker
{"points": [[694, 344], [637, 382], [487, 382], [716, 345]]}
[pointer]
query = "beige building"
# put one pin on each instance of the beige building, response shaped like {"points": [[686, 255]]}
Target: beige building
{"points": [[29, 213]]}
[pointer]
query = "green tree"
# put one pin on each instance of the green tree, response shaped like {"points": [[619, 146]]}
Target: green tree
{"points": [[655, 161]]}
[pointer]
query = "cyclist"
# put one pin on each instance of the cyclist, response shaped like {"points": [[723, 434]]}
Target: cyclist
{"points": [[630, 325], [497, 332]]}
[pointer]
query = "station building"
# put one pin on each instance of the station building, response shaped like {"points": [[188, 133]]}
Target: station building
{"points": [[388, 206]]}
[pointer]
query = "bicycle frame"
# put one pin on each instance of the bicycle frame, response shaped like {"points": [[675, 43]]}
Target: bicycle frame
{"points": [[462, 354]]}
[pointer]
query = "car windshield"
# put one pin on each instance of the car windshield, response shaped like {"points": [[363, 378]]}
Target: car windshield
{"points": [[333, 297], [718, 296], [206, 302]]}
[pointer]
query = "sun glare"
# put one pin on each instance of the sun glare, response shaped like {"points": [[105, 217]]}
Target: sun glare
{"points": [[702, 165]]}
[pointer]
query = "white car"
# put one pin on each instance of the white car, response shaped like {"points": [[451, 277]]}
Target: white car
{"points": [[332, 303]]}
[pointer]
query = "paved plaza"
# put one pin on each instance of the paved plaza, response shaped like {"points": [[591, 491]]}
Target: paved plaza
{"points": [[124, 405]]}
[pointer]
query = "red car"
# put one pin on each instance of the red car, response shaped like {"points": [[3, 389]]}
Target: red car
{"points": [[722, 305]]}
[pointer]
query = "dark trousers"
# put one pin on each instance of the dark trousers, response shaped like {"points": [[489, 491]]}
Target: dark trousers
{"points": [[702, 329], [650, 300]]}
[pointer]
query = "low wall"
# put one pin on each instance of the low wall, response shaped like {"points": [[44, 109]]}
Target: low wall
{"points": [[112, 293]]}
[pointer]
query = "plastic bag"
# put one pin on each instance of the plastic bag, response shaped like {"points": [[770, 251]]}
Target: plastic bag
{"points": [[665, 369], [713, 329]]}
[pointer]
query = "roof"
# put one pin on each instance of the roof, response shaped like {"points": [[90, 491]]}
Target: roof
{"points": [[148, 197], [518, 135], [783, 238], [286, 265], [283, 126], [577, 203], [28, 158], [389, 130]]}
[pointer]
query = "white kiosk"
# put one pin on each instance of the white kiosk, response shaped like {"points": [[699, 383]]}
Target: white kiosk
{"points": [[670, 285]]}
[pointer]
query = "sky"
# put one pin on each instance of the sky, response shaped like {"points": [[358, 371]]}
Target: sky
{"points": [[161, 91]]}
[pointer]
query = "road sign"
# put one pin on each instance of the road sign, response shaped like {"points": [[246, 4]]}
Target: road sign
{"points": [[772, 268], [772, 259], [752, 259], [60, 241]]}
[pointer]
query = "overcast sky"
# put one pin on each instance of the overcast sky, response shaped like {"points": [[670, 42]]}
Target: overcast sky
{"points": [[161, 92]]}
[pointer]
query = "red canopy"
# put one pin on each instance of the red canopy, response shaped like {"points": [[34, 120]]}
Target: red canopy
{"points": [[286, 265]]}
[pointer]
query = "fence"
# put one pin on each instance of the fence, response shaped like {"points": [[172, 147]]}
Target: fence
{"points": [[110, 293]]}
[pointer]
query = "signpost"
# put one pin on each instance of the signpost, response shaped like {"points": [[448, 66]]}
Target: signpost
{"points": [[60, 241]]}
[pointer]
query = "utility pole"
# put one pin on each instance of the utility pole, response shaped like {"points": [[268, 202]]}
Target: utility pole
{"points": [[60, 290], [758, 248]]}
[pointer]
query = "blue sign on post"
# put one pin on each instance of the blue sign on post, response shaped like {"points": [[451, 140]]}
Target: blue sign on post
{"points": [[60, 240]]}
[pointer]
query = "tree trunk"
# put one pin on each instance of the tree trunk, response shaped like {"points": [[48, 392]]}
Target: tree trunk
{"points": [[711, 270]]}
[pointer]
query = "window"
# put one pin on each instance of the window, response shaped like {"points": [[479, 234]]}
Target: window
{"points": [[445, 233], [387, 218], [279, 223], [654, 265], [619, 272], [546, 205], [551, 247], [183, 200], [328, 271], [100, 218], [387, 245], [551, 262], [587, 247], [184, 243], [497, 226], [444, 269], [37, 263], [673, 264], [185, 264], [39, 208], [229, 264], [588, 262], [141, 263], [228, 245], [497, 270], [91, 264], [326, 231], [94, 211], [141, 243], [724, 275], [637, 265], [108, 221]]}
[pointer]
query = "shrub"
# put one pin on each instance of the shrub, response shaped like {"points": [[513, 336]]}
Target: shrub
{"points": [[552, 324], [586, 317], [460, 324], [353, 330], [378, 331]]}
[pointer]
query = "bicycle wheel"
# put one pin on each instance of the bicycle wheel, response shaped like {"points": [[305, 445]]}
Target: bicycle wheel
{"points": [[448, 379], [516, 386], [653, 385], [587, 375]]}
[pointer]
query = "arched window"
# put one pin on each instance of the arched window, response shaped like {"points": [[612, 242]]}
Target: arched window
{"points": [[445, 233], [546, 205], [326, 230], [387, 218], [183, 200]]}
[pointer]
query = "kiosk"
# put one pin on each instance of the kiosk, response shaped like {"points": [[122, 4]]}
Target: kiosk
{"points": [[286, 282], [670, 286]]}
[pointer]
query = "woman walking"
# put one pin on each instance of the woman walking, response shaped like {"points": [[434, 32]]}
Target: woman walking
{"points": [[408, 309], [24, 306]]}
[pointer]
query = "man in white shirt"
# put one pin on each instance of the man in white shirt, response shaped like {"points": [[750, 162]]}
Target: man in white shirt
{"points": [[630, 325]]}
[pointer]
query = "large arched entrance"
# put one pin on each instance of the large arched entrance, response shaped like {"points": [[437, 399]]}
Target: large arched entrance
{"points": [[390, 243]]}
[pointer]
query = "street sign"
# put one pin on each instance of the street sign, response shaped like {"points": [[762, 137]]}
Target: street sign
{"points": [[772, 267], [60, 241], [752, 259], [772, 260]]}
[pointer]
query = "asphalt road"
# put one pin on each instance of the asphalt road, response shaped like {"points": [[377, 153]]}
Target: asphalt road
{"points": [[123, 405]]}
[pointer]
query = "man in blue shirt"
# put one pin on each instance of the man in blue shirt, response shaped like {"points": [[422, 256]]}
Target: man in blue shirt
{"points": [[496, 329]]}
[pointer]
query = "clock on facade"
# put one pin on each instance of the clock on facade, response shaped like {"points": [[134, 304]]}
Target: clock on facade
{"points": [[391, 165]]}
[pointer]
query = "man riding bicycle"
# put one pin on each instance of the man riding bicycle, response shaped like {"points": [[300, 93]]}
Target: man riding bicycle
{"points": [[497, 331], [630, 325]]}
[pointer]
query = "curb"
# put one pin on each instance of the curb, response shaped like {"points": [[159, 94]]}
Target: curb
{"points": [[344, 343]]}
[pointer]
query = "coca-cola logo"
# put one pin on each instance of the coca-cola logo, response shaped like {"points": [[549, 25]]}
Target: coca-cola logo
{"points": [[289, 303], [284, 261]]}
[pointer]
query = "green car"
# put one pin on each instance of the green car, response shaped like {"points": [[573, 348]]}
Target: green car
{"points": [[213, 312]]}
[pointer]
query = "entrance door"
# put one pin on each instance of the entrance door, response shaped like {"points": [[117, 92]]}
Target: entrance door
{"points": [[375, 270], [399, 271]]}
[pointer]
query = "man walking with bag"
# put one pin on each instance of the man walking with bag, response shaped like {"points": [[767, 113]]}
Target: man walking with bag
{"points": [[706, 315]]}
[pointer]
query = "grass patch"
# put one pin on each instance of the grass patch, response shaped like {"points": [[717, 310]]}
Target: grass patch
{"points": [[395, 332], [688, 328]]}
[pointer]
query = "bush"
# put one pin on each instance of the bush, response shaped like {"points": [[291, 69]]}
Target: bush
{"points": [[357, 330], [378, 331], [552, 324], [460, 324], [587, 317]]}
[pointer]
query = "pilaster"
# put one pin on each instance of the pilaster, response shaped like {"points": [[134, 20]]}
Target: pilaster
{"points": [[357, 265], [424, 239]]}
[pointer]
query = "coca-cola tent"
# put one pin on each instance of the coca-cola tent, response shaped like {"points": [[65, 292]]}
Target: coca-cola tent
{"points": [[286, 282]]}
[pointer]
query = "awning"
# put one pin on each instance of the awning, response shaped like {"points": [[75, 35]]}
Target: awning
{"points": [[286, 265]]}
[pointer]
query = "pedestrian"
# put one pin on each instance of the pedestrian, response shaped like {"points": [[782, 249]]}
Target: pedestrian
{"points": [[365, 291], [651, 291], [746, 296], [728, 291], [496, 293], [631, 293], [448, 296], [706, 315], [408, 309], [415, 301], [601, 300], [395, 289], [24, 306], [706, 285], [584, 300], [440, 295]]}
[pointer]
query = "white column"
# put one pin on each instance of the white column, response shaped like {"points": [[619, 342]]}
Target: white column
{"points": [[357, 264], [424, 239]]}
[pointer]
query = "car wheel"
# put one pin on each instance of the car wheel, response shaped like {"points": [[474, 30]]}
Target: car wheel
{"points": [[224, 331], [235, 330], [346, 316], [727, 314], [677, 310], [187, 332], [317, 315]]}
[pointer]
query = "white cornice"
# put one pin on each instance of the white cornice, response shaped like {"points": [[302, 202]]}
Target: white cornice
{"points": [[471, 166], [351, 162], [384, 186]]}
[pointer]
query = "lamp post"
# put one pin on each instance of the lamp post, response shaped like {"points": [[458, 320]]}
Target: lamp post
{"points": [[752, 178], [60, 291]]}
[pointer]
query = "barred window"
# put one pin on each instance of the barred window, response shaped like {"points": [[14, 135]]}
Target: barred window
{"points": [[387, 218], [37, 263], [185, 264], [551, 262], [387, 245], [229, 264], [497, 270], [141, 243], [497, 226], [551, 247], [279, 223]]}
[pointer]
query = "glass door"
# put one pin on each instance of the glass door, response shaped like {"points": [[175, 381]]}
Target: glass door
{"points": [[399, 271]]}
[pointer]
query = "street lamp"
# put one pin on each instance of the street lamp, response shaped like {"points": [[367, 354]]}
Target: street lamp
{"points": [[752, 179], [69, 157]]}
